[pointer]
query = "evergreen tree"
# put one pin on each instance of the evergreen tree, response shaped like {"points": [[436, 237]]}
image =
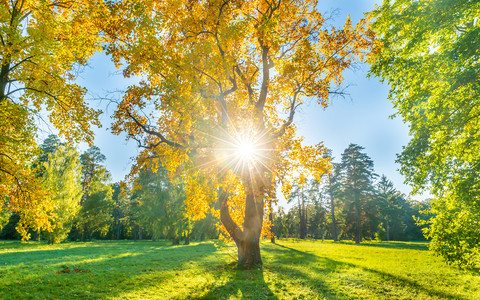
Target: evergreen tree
{"points": [[298, 193], [333, 189], [392, 208], [357, 172], [97, 204]]}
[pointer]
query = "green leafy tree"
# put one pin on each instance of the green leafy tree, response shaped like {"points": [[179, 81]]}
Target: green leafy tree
{"points": [[62, 179], [391, 205], [97, 207], [92, 161], [49, 146], [299, 193], [357, 179], [161, 206], [97, 204], [120, 200], [430, 58], [280, 223], [42, 46], [317, 220], [333, 190]]}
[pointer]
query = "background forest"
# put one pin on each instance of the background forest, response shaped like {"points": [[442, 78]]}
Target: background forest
{"points": [[351, 203]]}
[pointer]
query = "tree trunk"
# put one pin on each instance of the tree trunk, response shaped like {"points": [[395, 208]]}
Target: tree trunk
{"points": [[358, 235], [388, 231], [249, 250], [270, 217], [4, 72], [118, 230], [301, 216], [139, 233], [248, 239], [332, 208], [84, 233]]}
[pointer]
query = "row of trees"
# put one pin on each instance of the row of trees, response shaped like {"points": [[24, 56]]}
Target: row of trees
{"points": [[350, 204], [346, 205], [87, 205]]}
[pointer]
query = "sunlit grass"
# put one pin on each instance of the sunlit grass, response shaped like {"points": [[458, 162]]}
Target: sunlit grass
{"points": [[293, 269]]}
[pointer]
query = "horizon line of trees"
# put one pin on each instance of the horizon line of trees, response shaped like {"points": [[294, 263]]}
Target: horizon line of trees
{"points": [[349, 203]]}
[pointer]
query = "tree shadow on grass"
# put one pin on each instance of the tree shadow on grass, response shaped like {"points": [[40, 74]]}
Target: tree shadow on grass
{"points": [[245, 284], [329, 265], [423, 246], [73, 252], [128, 270]]}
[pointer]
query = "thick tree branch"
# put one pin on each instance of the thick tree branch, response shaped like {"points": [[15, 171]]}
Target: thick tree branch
{"points": [[232, 228], [19, 63], [154, 133], [211, 77], [288, 122], [265, 80], [247, 84]]}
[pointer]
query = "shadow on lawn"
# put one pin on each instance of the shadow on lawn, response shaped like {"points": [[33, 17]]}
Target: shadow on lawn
{"points": [[132, 268], [423, 246], [332, 265], [249, 283], [75, 252]]}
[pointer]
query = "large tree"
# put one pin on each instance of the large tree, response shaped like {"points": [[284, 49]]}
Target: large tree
{"points": [[42, 44], [222, 81], [430, 58]]}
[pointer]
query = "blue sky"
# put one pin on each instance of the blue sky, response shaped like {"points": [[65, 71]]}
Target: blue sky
{"points": [[362, 117]]}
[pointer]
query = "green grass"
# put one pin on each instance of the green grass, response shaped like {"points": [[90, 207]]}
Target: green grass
{"points": [[292, 270]]}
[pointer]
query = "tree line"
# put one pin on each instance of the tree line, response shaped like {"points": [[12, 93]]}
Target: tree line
{"points": [[87, 205], [350, 203], [346, 204]]}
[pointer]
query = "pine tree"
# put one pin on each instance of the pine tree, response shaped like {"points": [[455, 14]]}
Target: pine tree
{"points": [[97, 204], [357, 169]]}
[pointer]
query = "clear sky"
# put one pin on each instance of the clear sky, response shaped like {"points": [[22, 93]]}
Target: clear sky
{"points": [[362, 117]]}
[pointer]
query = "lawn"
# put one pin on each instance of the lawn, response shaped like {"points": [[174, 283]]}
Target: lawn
{"points": [[292, 270]]}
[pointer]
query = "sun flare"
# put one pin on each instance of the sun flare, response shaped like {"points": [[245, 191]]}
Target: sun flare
{"points": [[245, 151]]}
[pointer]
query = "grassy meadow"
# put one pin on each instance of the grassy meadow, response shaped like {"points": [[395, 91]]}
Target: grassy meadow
{"points": [[292, 270]]}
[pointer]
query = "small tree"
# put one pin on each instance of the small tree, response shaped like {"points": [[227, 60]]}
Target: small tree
{"points": [[391, 206], [97, 204], [161, 207], [62, 180]]}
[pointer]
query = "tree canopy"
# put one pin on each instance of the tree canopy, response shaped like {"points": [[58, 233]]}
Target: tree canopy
{"points": [[222, 82], [430, 58], [42, 46]]}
